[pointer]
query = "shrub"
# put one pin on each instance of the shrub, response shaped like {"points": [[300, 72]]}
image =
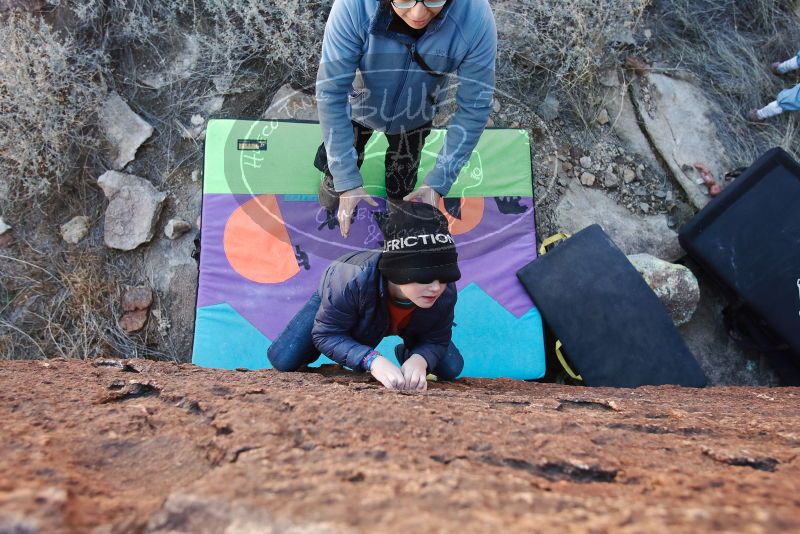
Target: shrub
{"points": [[560, 44], [49, 90]]}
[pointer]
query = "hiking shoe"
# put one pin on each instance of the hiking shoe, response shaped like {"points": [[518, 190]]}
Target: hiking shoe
{"points": [[752, 116], [328, 197]]}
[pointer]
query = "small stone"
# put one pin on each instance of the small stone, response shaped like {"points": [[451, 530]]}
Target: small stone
{"points": [[562, 181], [137, 298], [133, 209], [124, 130], [586, 162], [610, 180], [495, 105], [197, 120], [515, 124], [588, 179], [644, 206], [3, 226], [628, 175], [213, 105], [648, 33], [566, 165], [176, 228], [490, 123], [675, 285], [195, 175], [602, 118], [133, 321], [76, 229]]}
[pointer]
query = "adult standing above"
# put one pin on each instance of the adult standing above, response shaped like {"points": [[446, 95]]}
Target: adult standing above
{"points": [[383, 67]]}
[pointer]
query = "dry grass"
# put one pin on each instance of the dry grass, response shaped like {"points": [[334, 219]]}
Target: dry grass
{"points": [[728, 46], [49, 89], [561, 46]]}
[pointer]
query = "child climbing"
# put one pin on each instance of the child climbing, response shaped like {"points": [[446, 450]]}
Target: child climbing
{"points": [[406, 289]]}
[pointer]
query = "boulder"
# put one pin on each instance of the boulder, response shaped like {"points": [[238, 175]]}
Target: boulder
{"points": [[724, 360], [623, 120], [291, 104], [581, 206], [172, 272], [674, 285], [677, 117], [75, 229], [133, 209], [124, 130]]}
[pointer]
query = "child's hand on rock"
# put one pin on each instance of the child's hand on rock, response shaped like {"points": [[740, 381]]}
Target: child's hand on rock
{"points": [[387, 373], [415, 369]]}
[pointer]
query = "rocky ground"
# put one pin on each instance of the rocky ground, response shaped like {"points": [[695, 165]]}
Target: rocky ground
{"points": [[140, 446]]}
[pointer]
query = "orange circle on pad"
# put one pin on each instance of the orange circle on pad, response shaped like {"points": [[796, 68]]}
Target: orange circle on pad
{"points": [[257, 244]]}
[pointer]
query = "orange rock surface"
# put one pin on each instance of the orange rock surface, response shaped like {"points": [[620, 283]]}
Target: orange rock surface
{"points": [[110, 446]]}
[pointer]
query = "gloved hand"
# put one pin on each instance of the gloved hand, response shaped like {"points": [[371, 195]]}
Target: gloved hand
{"points": [[387, 373], [424, 194], [347, 205], [415, 369]]}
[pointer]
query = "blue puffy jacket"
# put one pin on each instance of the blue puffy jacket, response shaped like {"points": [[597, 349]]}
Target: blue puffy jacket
{"points": [[393, 92], [353, 316]]}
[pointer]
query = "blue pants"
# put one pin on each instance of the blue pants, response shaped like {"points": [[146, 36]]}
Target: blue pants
{"points": [[293, 348], [789, 99]]}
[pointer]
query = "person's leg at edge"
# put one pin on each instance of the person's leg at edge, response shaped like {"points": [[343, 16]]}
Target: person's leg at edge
{"points": [[293, 348], [328, 197], [402, 161], [448, 367], [787, 100], [783, 67]]}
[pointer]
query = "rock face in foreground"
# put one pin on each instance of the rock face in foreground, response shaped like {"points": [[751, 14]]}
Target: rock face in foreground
{"points": [[142, 446]]}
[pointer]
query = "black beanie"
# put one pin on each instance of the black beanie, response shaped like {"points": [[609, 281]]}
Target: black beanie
{"points": [[418, 246]]}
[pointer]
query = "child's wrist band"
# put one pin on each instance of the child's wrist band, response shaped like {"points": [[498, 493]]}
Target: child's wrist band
{"points": [[366, 363]]}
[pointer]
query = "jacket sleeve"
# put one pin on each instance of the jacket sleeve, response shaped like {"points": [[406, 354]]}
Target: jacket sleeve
{"points": [[341, 52], [476, 79], [335, 319], [433, 345]]}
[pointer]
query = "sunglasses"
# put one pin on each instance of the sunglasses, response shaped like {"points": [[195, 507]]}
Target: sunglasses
{"points": [[433, 4]]}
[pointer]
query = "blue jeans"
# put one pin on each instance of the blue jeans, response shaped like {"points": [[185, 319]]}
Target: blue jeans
{"points": [[293, 348]]}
